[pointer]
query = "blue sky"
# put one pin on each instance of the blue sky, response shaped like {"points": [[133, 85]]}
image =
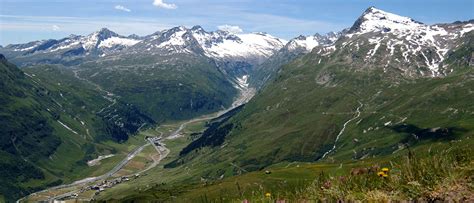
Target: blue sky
{"points": [[28, 20]]}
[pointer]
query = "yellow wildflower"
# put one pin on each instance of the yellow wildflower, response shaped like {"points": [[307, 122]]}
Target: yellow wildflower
{"points": [[385, 175], [268, 195], [385, 170], [381, 174]]}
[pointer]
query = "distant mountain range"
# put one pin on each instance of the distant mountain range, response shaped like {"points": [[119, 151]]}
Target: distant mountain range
{"points": [[401, 35], [220, 45], [224, 47]]}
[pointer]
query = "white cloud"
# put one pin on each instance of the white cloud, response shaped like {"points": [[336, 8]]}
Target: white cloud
{"points": [[55, 28], [230, 28], [161, 4], [122, 8]]}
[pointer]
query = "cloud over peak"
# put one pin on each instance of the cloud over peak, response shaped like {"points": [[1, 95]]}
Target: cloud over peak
{"points": [[122, 8], [161, 4], [230, 28]]}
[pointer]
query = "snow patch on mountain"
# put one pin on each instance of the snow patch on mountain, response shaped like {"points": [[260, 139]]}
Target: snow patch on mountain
{"points": [[326, 50], [307, 43], [114, 41], [377, 42], [467, 28], [245, 45], [103, 41], [64, 46], [242, 82], [410, 37], [89, 42], [246, 92], [34, 45], [176, 39]]}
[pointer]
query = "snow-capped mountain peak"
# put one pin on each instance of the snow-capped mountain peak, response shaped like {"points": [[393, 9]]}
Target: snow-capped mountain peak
{"points": [[169, 41], [174, 37], [101, 42], [105, 38], [253, 45], [218, 44], [198, 28], [105, 33], [395, 39], [374, 19]]}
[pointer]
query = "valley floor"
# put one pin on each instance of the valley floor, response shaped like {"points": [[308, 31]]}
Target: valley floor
{"points": [[136, 163]]}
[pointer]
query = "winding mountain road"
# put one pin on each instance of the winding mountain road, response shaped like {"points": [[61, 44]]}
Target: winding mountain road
{"points": [[113, 171]]}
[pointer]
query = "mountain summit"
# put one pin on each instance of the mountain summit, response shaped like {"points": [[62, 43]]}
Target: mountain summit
{"points": [[400, 44], [105, 33], [374, 19]]}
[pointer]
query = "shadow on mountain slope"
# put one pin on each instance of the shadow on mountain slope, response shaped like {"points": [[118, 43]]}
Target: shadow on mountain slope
{"points": [[437, 133]]}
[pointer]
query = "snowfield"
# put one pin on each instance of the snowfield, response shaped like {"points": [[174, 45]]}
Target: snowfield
{"points": [[114, 41]]}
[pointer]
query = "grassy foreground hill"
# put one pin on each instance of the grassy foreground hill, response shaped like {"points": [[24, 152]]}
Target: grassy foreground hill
{"points": [[439, 171]]}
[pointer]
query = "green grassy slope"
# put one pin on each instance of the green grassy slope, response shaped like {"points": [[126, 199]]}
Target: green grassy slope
{"points": [[26, 134], [269, 69], [37, 149], [173, 87]]}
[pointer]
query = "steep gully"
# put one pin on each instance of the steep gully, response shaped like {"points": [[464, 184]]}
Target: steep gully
{"points": [[342, 130]]}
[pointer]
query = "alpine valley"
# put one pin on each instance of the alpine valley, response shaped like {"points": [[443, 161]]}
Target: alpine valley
{"points": [[188, 115]]}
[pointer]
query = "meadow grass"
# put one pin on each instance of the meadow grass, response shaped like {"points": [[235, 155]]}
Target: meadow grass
{"points": [[442, 176]]}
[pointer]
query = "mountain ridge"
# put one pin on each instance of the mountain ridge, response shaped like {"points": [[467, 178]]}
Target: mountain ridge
{"points": [[105, 42]]}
